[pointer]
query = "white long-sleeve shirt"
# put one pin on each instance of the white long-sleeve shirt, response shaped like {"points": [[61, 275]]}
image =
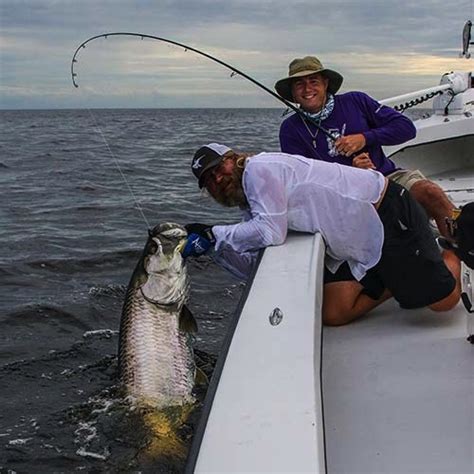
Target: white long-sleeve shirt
{"points": [[292, 192]]}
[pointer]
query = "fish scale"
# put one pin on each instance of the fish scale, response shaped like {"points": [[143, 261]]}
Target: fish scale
{"points": [[154, 370], [155, 356]]}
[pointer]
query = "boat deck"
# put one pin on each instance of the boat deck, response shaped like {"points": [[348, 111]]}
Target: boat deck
{"points": [[398, 385], [398, 393]]}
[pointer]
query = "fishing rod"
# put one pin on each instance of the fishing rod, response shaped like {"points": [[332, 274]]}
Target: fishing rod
{"points": [[208, 56]]}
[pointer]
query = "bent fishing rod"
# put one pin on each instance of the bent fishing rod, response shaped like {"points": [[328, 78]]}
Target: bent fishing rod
{"points": [[208, 56]]}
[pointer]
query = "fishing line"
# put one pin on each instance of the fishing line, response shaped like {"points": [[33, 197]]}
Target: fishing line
{"points": [[208, 56], [117, 164]]}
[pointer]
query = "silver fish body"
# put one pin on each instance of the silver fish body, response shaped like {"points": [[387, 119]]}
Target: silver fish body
{"points": [[156, 361]]}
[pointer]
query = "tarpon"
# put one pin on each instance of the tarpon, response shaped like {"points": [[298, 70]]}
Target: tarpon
{"points": [[156, 363]]}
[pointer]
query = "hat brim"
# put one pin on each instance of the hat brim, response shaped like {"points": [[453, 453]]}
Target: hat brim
{"points": [[208, 167], [283, 86]]}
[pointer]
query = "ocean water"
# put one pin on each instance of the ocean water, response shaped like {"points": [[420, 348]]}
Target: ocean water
{"points": [[70, 236]]}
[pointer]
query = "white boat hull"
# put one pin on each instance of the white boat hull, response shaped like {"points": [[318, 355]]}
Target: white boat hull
{"points": [[266, 413], [442, 144]]}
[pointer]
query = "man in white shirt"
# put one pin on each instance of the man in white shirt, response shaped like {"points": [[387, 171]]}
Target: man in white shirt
{"points": [[378, 240]]}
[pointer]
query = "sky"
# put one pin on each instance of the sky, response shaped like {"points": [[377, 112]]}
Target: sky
{"points": [[382, 47]]}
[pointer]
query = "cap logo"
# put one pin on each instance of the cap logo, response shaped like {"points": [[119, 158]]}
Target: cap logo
{"points": [[197, 245], [197, 162]]}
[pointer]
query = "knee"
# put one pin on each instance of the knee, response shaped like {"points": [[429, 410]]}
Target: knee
{"points": [[424, 187], [425, 191], [336, 316], [342, 303], [448, 303]]}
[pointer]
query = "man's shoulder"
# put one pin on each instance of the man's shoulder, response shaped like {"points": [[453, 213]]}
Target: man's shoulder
{"points": [[356, 100], [351, 96], [264, 159], [290, 121], [263, 156]]}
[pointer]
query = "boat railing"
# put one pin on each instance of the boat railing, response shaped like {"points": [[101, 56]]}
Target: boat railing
{"points": [[452, 84]]}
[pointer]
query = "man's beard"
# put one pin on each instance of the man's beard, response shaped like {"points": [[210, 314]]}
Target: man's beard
{"points": [[230, 192]]}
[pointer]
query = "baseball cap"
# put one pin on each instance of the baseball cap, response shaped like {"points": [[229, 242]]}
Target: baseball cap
{"points": [[207, 157]]}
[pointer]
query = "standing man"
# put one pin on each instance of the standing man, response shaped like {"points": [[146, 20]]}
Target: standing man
{"points": [[362, 126], [372, 227]]}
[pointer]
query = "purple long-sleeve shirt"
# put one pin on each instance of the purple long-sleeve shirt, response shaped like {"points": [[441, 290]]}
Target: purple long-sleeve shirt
{"points": [[354, 112]]}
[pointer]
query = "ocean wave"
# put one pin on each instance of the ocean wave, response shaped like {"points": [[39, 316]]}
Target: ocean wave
{"points": [[108, 290], [100, 334], [73, 265], [36, 313], [91, 186]]}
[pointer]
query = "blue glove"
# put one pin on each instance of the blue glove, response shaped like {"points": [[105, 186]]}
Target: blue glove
{"points": [[200, 240]]}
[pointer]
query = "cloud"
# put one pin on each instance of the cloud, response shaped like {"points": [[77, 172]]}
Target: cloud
{"points": [[379, 46]]}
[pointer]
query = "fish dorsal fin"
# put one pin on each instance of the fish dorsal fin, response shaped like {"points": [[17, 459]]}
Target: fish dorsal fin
{"points": [[201, 378], [187, 323]]}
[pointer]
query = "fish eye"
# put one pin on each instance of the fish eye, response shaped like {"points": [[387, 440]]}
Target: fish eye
{"points": [[152, 247]]}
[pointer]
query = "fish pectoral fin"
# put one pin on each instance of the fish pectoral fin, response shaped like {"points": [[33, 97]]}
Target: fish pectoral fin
{"points": [[187, 323], [201, 378]]}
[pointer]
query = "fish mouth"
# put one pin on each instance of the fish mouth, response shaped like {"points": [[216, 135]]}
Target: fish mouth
{"points": [[165, 283], [166, 240], [167, 254], [180, 247], [168, 229]]}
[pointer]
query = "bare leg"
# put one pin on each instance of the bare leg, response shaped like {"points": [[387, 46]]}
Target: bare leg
{"points": [[454, 265], [435, 202], [344, 301]]}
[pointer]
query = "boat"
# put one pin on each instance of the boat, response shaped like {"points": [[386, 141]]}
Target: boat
{"points": [[389, 393]]}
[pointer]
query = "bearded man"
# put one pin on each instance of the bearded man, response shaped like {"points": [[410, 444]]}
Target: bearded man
{"points": [[378, 240]]}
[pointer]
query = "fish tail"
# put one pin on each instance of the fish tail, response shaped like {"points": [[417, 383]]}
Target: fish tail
{"points": [[166, 447], [163, 426]]}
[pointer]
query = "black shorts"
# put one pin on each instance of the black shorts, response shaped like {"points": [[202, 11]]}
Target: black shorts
{"points": [[372, 283], [411, 265]]}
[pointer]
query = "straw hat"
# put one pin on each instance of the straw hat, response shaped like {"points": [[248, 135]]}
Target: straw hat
{"points": [[301, 67]]}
